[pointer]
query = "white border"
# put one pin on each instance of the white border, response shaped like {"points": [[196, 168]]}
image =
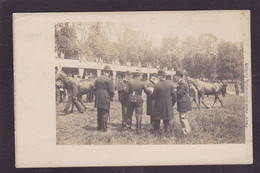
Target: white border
{"points": [[35, 116]]}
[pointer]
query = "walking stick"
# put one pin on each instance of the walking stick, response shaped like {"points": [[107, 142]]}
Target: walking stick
{"points": [[193, 99]]}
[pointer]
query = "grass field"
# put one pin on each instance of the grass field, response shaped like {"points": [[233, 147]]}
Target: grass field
{"points": [[209, 126]]}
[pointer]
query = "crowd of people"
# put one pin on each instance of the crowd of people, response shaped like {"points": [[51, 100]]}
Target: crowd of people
{"points": [[161, 97], [162, 93]]}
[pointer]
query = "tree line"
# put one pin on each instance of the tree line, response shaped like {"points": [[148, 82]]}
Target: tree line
{"points": [[202, 57]]}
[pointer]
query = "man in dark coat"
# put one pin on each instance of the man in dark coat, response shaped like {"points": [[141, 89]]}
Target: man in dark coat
{"points": [[135, 101], [122, 85], [104, 94], [90, 94], [183, 101], [149, 100], [165, 98], [236, 88]]}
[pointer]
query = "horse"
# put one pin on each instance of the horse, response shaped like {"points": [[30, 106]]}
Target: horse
{"points": [[205, 88], [83, 86]]}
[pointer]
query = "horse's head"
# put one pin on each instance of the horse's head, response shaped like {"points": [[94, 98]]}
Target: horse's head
{"points": [[61, 75], [57, 76], [223, 89]]}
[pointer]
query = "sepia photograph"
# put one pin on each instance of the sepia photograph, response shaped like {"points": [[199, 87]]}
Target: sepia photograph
{"points": [[150, 83], [120, 83]]}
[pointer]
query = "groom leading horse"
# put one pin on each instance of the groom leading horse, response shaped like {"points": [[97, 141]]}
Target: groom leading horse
{"points": [[76, 89]]}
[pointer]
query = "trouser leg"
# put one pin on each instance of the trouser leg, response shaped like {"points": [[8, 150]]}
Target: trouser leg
{"points": [[105, 114], [99, 118], [124, 113], [78, 105], [184, 123], [138, 123], [61, 94], [69, 102], [151, 118], [91, 97], [130, 110], [57, 94], [166, 124], [138, 114], [88, 97], [64, 96], [156, 125], [119, 95]]}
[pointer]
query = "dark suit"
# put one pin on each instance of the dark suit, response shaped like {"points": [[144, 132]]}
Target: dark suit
{"points": [[165, 98], [104, 95], [135, 102], [183, 104], [150, 103], [183, 100], [123, 97]]}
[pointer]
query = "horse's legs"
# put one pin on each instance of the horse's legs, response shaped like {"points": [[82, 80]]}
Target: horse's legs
{"points": [[72, 107], [220, 101], [199, 97], [79, 99], [68, 103], [202, 101], [215, 100]]}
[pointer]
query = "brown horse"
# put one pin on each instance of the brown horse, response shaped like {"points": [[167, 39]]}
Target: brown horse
{"points": [[83, 86], [205, 88]]}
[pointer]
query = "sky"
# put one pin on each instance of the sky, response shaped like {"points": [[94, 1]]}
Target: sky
{"points": [[227, 25]]}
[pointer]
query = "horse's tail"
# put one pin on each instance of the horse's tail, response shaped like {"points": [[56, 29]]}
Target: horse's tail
{"points": [[194, 84]]}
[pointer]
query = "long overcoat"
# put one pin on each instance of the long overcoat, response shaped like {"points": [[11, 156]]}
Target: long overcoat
{"points": [[183, 99], [165, 98], [104, 92], [149, 100]]}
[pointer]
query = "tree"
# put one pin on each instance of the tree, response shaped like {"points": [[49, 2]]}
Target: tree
{"points": [[98, 42], [171, 53], [230, 60], [199, 56], [66, 40]]}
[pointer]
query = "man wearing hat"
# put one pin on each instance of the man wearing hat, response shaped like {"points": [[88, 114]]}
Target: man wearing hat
{"points": [[104, 95], [165, 98], [183, 101], [149, 99], [122, 85], [135, 101]]}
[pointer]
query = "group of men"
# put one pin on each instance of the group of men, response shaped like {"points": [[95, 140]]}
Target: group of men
{"points": [[161, 97]]}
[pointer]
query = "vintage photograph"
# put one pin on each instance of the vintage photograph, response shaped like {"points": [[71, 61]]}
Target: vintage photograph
{"points": [[101, 88], [174, 81]]}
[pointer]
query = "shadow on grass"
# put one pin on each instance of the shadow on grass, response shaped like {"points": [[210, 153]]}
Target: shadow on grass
{"points": [[90, 128], [115, 126]]}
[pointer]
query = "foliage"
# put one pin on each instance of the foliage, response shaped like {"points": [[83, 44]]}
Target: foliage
{"points": [[230, 60], [202, 57], [66, 40]]}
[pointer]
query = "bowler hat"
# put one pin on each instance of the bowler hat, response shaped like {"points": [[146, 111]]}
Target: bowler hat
{"points": [[107, 68], [161, 73], [129, 73], [138, 72], [180, 72]]}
